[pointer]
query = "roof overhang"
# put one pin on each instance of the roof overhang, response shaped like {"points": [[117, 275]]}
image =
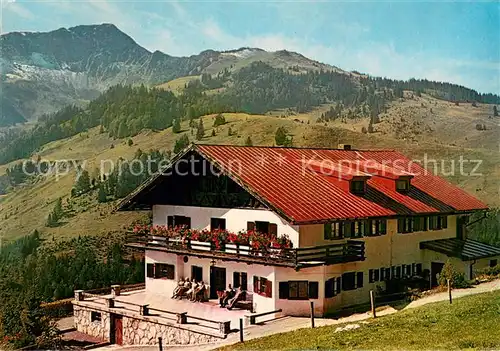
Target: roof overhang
{"points": [[466, 250]]}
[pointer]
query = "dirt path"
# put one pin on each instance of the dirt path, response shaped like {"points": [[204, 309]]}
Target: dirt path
{"points": [[287, 324]]}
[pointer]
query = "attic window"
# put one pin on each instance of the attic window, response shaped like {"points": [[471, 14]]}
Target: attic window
{"points": [[358, 186], [403, 185]]}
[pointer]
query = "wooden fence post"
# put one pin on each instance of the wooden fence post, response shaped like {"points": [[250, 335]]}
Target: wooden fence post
{"points": [[241, 329], [372, 302], [449, 289], [312, 314]]}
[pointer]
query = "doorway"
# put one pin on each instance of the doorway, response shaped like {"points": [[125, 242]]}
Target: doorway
{"points": [[436, 268], [217, 281], [117, 330]]}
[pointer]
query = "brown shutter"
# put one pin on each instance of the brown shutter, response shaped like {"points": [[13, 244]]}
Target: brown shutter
{"points": [[250, 225], [273, 228], [269, 288], [255, 284]]}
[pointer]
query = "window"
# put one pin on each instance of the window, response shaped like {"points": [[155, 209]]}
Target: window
{"points": [[163, 270], [348, 228], [197, 273], [405, 225], [349, 281], [398, 272], [179, 221], [442, 222], [298, 290], [433, 223], [263, 227], [333, 231], [378, 227], [95, 316], [262, 286], [358, 186], [150, 270], [373, 275], [217, 223], [420, 224], [240, 279], [493, 263], [402, 185], [338, 285]]}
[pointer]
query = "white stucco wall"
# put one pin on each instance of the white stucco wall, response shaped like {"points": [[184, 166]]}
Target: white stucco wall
{"points": [[236, 219]]}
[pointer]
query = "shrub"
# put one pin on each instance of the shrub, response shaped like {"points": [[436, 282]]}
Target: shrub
{"points": [[457, 279]]}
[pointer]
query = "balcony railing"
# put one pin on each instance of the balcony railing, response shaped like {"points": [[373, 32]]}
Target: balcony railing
{"points": [[348, 251]]}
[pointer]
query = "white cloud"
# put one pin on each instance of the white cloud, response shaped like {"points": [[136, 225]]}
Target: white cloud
{"points": [[17, 10]]}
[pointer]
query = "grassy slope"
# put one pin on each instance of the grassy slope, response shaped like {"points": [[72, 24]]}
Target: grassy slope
{"points": [[27, 208], [471, 322]]}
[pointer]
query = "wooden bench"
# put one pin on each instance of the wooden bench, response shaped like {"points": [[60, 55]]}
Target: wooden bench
{"points": [[252, 318]]}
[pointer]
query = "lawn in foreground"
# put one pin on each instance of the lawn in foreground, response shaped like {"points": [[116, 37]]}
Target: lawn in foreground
{"points": [[470, 322]]}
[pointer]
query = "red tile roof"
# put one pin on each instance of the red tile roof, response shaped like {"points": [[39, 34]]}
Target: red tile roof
{"points": [[312, 185]]}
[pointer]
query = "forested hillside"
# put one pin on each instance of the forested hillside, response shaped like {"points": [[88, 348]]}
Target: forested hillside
{"points": [[125, 111]]}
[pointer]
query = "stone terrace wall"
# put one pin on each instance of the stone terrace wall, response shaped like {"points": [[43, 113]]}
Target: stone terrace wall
{"points": [[83, 323], [141, 332]]}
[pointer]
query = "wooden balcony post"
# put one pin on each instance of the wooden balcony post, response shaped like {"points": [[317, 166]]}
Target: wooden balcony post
{"points": [[182, 318], [115, 290], [110, 303], [144, 310]]}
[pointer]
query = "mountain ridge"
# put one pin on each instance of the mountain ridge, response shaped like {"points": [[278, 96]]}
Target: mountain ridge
{"points": [[73, 65]]}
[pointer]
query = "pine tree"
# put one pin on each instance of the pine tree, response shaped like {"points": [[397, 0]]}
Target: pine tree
{"points": [[82, 184], [229, 131], [181, 144], [281, 136], [248, 142], [176, 126], [219, 120], [130, 142], [101, 195], [58, 210], [213, 132], [200, 131]]}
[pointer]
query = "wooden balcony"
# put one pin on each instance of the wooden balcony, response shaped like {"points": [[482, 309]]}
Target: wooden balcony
{"points": [[347, 251]]}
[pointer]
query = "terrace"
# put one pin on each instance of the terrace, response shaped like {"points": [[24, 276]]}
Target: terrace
{"points": [[346, 251]]}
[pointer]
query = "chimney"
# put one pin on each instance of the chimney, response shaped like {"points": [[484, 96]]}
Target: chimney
{"points": [[345, 147]]}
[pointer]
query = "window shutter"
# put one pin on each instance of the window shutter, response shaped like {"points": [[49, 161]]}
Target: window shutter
{"points": [[313, 290], [359, 280], [330, 288], [250, 225], [170, 221], [273, 228], [327, 231], [370, 276], [236, 279], [283, 290], [244, 281], [445, 222], [376, 276], [269, 288], [156, 271], [255, 284], [150, 270], [401, 225], [383, 226], [418, 268]]}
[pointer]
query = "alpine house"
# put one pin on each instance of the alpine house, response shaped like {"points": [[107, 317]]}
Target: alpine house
{"points": [[294, 225]]}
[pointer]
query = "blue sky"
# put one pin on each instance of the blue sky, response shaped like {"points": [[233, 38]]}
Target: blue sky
{"points": [[447, 41]]}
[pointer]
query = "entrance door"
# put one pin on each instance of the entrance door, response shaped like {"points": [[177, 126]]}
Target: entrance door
{"points": [[117, 330], [217, 281], [436, 268]]}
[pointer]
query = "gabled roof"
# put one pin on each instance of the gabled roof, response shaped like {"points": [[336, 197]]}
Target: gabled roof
{"points": [[312, 185]]}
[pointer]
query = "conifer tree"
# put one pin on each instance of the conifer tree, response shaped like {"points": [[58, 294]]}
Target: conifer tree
{"points": [[176, 126], [181, 144], [101, 195], [82, 184], [280, 136], [200, 131], [495, 111]]}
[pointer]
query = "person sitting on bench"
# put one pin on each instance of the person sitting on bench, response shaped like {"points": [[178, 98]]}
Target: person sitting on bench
{"points": [[182, 291], [180, 285], [239, 296], [199, 293], [190, 292], [226, 295]]}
